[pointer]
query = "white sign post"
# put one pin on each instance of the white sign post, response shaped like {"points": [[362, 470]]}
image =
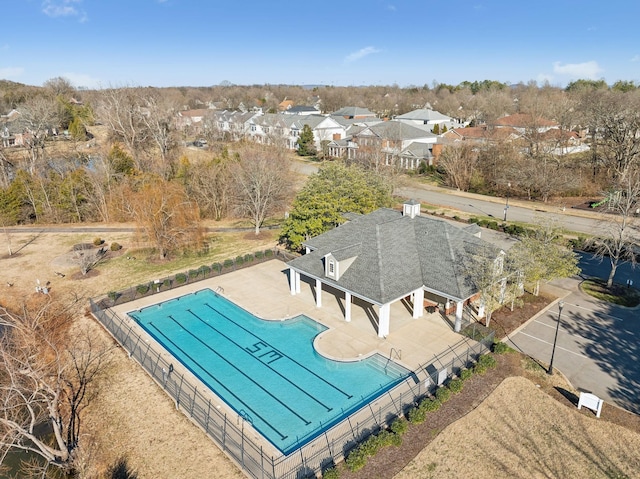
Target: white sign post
{"points": [[591, 401]]}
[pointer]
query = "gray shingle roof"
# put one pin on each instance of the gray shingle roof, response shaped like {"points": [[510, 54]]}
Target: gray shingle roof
{"points": [[397, 255]]}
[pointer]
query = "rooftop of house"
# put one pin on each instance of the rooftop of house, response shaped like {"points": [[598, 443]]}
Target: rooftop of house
{"points": [[353, 111], [424, 114], [395, 254]]}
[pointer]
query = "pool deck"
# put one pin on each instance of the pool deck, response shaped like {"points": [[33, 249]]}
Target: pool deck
{"points": [[263, 290]]}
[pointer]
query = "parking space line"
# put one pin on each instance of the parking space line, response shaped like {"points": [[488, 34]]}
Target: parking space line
{"points": [[595, 312], [557, 347]]}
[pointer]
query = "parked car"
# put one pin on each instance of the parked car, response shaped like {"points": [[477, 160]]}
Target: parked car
{"points": [[200, 143]]}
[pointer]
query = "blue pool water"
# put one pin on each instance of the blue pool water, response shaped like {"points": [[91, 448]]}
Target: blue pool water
{"points": [[267, 371]]}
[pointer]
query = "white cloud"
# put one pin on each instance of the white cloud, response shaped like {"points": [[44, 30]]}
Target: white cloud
{"points": [[363, 52], [391, 7], [587, 70], [636, 58], [11, 72], [63, 8], [82, 80]]}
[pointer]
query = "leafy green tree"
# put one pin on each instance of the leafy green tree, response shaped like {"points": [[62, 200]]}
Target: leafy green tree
{"points": [[306, 145], [334, 190], [543, 254], [436, 129], [624, 86]]}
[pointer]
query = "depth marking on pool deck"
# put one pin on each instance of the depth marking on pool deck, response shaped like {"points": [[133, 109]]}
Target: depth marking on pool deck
{"points": [[348, 396], [282, 436], [250, 354]]}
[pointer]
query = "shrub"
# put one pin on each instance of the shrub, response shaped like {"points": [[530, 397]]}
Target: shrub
{"points": [[228, 263], [268, 253], [399, 426], [456, 385], [97, 241], [239, 260], [493, 225], [430, 405], [331, 473], [501, 348], [166, 283], [115, 246], [205, 270], [193, 273], [248, 258], [181, 278], [113, 295], [466, 374], [443, 394], [488, 360], [356, 459], [142, 288], [417, 415], [473, 219], [217, 267], [456, 217], [259, 254]]}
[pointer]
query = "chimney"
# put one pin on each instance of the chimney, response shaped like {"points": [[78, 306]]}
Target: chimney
{"points": [[411, 208]]}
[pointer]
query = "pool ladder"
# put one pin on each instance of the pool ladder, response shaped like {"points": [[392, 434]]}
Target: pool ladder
{"points": [[398, 356], [220, 289]]}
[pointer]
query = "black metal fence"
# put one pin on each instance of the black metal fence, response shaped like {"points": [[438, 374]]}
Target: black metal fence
{"points": [[205, 271], [228, 431]]}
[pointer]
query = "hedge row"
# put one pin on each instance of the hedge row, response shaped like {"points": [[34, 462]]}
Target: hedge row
{"points": [[358, 456]]}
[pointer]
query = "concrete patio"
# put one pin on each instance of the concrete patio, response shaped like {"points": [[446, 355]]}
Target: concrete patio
{"points": [[263, 290]]}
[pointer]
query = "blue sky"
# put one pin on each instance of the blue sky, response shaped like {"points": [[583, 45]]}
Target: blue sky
{"points": [[102, 43]]}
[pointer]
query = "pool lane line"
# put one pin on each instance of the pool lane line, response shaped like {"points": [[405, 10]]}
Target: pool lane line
{"points": [[238, 369], [310, 396], [348, 396], [282, 436]]}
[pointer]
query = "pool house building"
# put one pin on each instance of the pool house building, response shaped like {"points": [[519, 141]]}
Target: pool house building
{"points": [[388, 256]]}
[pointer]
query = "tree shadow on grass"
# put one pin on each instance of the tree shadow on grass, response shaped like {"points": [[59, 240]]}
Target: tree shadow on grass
{"points": [[121, 470]]}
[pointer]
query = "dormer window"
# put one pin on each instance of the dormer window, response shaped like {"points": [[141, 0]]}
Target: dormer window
{"points": [[332, 268]]}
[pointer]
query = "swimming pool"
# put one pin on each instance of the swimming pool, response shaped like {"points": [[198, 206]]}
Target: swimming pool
{"points": [[267, 371]]}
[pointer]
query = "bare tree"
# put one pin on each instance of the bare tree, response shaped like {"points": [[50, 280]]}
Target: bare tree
{"points": [[619, 232], [157, 118], [460, 162], [263, 184], [36, 117], [165, 216], [120, 110], [48, 378]]}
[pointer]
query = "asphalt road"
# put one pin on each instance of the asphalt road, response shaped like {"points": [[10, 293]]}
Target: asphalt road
{"points": [[598, 345], [494, 207]]}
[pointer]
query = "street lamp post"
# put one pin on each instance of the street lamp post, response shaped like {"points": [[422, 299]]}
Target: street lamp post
{"points": [[555, 339], [506, 206]]}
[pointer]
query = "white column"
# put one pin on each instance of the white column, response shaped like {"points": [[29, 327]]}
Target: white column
{"points": [[318, 293], [458, 324], [481, 310], [297, 283], [347, 307], [292, 281], [418, 303], [383, 320]]}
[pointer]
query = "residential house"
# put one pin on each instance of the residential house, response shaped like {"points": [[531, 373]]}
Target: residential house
{"points": [[354, 112], [388, 139], [302, 110], [389, 256], [427, 118]]}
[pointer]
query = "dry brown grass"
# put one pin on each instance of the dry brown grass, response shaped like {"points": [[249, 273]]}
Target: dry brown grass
{"points": [[521, 432]]}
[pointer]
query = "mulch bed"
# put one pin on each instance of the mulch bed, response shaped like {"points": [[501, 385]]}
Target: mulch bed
{"points": [[391, 460]]}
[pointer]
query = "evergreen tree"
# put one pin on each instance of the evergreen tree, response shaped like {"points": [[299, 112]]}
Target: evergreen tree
{"points": [[334, 190], [305, 142]]}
